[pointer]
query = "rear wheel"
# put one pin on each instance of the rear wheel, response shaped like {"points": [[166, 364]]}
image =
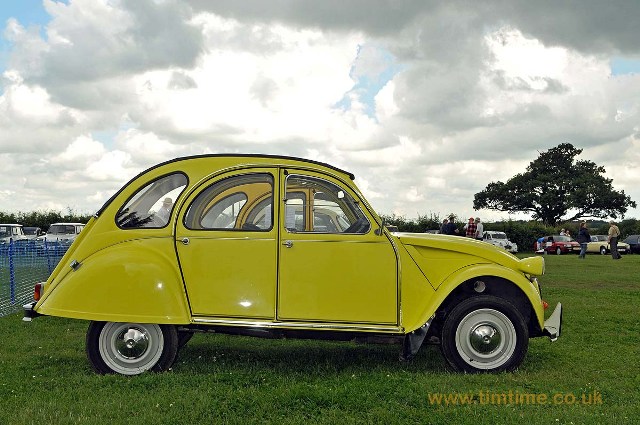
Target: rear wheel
{"points": [[484, 334], [131, 348]]}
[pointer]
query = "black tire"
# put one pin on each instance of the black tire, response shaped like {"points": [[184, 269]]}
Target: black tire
{"points": [[131, 348], [484, 334], [603, 250], [558, 251], [184, 337]]}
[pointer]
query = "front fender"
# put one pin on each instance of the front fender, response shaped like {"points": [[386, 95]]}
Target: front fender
{"points": [[475, 271], [134, 281]]}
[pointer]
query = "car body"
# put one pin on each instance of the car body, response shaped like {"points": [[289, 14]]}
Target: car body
{"points": [[634, 244], [600, 245], [282, 247], [559, 244], [499, 239], [11, 232], [32, 232]]}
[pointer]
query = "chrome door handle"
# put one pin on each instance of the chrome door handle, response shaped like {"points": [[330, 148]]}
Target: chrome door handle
{"points": [[288, 244], [185, 241]]}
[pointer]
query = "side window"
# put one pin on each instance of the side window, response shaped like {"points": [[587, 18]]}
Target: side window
{"points": [[241, 202], [319, 206], [152, 205]]}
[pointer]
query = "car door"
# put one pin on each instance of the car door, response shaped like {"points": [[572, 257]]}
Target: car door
{"points": [[333, 267], [227, 245]]}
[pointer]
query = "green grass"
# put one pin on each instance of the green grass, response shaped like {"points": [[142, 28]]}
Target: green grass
{"points": [[45, 377]]}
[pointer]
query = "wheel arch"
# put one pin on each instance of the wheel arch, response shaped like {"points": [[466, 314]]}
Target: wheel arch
{"points": [[500, 281], [489, 285]]}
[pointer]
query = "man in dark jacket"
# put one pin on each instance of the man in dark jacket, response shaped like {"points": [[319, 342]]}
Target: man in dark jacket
{"points": [[583, 238]]}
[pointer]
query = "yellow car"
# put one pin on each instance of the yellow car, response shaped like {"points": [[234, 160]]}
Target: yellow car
{"points": [[600, 244], [282, 247]]}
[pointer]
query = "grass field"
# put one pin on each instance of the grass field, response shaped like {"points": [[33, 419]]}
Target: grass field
{"points": [[589, 376]]}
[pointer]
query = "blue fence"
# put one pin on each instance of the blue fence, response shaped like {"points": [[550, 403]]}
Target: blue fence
{"points": [[22, 265]]}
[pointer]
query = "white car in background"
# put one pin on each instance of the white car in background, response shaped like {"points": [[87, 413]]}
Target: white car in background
{"points": [[11, 232], [62, 233], [500, 239]]}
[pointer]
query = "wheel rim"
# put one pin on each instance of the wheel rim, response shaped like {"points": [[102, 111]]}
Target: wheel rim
{"points": [[130, 348], [486, 339], [558, 251], [603, 250]]}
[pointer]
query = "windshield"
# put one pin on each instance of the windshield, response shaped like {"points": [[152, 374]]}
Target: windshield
{"points": [[599, 238], [60, 229], [499, 235], [30, 230], [561, 238]]}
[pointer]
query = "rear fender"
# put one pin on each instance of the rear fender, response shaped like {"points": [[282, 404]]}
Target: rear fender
{"points": [[134, 281]]}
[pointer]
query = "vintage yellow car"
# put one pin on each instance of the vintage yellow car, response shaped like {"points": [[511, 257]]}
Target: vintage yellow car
{"points": [[282, 247], [600, 244]]}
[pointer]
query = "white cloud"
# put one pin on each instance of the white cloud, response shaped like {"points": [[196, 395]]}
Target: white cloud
{"points": [[463, 97]]}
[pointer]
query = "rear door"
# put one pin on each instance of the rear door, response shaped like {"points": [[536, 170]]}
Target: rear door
{"points": [[227, 245]]}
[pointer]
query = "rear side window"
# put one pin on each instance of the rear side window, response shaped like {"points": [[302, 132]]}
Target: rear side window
{"points": [[243, 202], [151, 206]]}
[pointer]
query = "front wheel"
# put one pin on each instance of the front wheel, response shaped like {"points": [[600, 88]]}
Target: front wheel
{"points": [[131, 348], [484, 334], [603, 250], [558, 251]]}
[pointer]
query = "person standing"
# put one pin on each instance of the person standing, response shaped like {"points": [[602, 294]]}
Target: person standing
{"points": [[614, 233], [583, 238], [450, 228], [443, 227], [470, 228], [479, 229]]}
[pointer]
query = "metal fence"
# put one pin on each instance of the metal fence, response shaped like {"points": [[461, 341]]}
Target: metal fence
{"points": [[23, 264]]}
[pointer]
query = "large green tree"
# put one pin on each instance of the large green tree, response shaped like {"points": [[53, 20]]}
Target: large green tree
{"points": [[556, 187]]}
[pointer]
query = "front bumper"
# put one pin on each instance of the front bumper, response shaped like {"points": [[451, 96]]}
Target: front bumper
{"points": [[553, 324]]}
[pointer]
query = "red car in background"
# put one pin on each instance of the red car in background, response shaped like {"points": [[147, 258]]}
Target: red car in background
{"points": [[559, 244]]}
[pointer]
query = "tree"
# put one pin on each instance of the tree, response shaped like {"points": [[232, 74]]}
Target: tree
{"points": [[555, 188]]}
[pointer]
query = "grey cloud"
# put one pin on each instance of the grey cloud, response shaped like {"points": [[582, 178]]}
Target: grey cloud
{"points": [[181, 81]]}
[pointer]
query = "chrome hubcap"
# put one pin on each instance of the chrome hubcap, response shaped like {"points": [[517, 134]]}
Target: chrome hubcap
{"points": [[485, 338], [131, 343]]}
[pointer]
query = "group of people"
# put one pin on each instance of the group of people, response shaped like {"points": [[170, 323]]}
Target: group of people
{"points": [[473, 229], [584, 238]]}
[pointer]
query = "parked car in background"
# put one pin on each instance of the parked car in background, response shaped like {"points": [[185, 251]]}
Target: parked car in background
{"points": [[33, 232], [634, 244], [559, 244], [10, 232], [500, 239], [600, 244], [278, 246], [63, 232]]}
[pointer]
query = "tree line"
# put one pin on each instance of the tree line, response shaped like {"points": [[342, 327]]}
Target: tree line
{"points": [[43, 219]]}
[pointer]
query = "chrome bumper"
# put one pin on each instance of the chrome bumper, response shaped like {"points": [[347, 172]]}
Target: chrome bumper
{"points": [[553, 324], [29, 312]]}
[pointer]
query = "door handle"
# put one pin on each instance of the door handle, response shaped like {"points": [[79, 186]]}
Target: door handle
{"points": [[288, 244], [185, 241]]}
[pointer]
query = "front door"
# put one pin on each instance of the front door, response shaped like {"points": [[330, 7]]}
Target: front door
{"points": [[332, 267], [227, 246]]}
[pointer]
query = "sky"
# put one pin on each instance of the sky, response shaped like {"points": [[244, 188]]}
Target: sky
{"points": [[426, 102]]}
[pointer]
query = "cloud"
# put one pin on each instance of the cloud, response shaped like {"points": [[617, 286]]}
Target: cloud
{"points": [[425, 101]]}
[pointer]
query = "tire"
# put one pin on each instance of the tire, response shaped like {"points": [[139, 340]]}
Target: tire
{"points": [[484, 334], [184, 337], [131, 348], [558, 251], [603, 250]]}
